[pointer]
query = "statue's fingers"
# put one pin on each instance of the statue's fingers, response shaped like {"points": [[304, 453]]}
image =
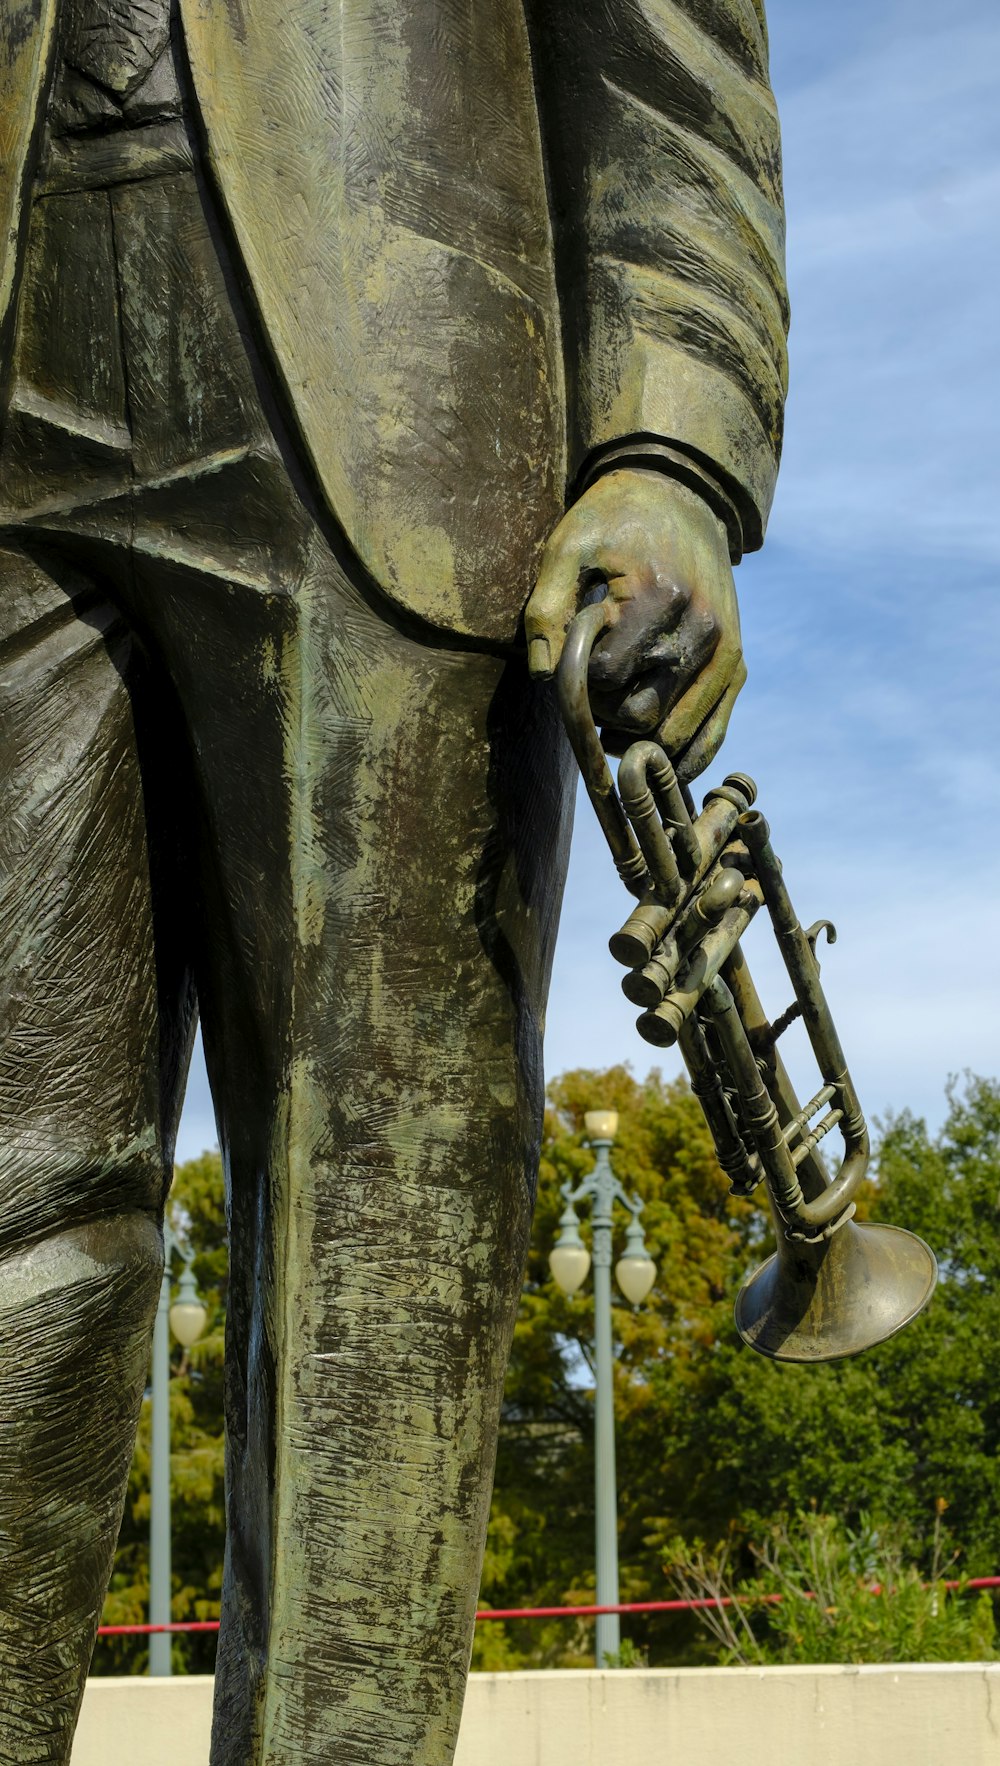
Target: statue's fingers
{"points": [[654, 632], [551, 608], [683, 722], [707, 741]]}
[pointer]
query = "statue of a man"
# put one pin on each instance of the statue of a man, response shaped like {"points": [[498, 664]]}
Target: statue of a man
{"points": [[331, 328]]}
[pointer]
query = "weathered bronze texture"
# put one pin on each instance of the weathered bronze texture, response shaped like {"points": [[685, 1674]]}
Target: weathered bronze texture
{"points": [[327, 331], [834, 1287]]}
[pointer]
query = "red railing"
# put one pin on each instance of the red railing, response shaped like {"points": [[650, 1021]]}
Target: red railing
{"points": [[635, 1606]]}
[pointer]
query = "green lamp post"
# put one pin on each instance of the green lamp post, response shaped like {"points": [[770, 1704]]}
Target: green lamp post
{"points": [[635, 1272], [186, 1318]]}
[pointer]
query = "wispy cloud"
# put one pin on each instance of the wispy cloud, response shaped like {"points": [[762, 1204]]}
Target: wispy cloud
{"points": [[892, 159]]}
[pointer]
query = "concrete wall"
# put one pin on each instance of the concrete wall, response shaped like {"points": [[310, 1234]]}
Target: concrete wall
{"points": [[937, 1715]]}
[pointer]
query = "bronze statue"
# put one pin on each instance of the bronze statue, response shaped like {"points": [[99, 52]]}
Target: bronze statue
{"points": [[330, 329]]}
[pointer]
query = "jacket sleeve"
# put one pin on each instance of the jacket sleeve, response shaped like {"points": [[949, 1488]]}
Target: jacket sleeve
{"points": [[664, 162], [26, 39]]}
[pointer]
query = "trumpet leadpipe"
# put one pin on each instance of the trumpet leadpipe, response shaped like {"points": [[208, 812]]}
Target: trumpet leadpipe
{"points": [[757, 1109], [800, 959], [803, 969], [812, 1174], [824, 1211]]}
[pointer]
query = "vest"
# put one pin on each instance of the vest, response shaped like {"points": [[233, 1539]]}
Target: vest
{"points": [[114, 66]]}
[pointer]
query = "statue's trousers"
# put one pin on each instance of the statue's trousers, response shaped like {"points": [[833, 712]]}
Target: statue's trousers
{"points": [[228, 773]]}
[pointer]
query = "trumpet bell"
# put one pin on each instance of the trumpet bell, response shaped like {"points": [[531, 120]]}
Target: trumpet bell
{"points": [[823, 1300]]}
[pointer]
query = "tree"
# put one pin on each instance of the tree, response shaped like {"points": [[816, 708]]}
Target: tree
{"points": [[540, 1547], [716, 1447], [714, 1443], [939, 1374]]}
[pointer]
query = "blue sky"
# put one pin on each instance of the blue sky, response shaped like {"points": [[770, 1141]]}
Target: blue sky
{"points": [[872, 616]]}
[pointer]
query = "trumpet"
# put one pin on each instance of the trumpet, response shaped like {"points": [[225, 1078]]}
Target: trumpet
{"points": [[834, 1286]]}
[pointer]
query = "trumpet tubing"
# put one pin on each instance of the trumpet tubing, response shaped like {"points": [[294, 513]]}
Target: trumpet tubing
{"points": [[700, 881]]}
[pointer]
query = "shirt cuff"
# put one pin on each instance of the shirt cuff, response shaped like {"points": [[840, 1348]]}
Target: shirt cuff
{"points": [[646, 453]]}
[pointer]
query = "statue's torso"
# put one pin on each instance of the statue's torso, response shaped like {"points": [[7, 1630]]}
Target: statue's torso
{"points": [[391, 220]]}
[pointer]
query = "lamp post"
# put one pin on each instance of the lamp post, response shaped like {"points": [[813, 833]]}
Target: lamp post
{"points": [[635, 1270], [186, 1318]]}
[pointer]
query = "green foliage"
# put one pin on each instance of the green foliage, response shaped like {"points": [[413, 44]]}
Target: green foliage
{"points": [[628, 1656], [540, 1549], [825, 1593], [714, 1443], [716, 1447], [196, 1459]]}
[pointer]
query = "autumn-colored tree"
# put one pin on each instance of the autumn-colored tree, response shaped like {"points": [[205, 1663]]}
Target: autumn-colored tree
{"points": [[540, 1549], [715, 1444]]}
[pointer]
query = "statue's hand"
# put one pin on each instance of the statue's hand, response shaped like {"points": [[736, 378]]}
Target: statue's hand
{"points": [[671, 660]]}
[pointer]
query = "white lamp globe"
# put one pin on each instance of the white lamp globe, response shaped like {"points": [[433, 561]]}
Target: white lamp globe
{"points": [[635, 1271], [569, 1265], [188, 1316], [635, 1276], [569, 1259], [601, 1125]]}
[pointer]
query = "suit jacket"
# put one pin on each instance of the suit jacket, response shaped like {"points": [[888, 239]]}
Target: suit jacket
{"points": [[484, 239]]}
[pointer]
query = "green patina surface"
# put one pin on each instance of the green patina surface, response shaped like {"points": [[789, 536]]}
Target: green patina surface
{"points": [[304, 333]]}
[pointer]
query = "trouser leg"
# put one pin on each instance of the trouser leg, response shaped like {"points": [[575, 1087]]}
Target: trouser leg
{"points": [[389, 823], [93, 1037], [382, 829]]}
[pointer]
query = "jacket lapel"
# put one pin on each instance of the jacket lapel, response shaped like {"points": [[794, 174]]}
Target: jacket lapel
{"points": [[381, 166]]}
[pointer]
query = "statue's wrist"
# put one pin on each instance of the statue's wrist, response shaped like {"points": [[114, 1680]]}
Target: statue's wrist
{"points": [[646, 454]]}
